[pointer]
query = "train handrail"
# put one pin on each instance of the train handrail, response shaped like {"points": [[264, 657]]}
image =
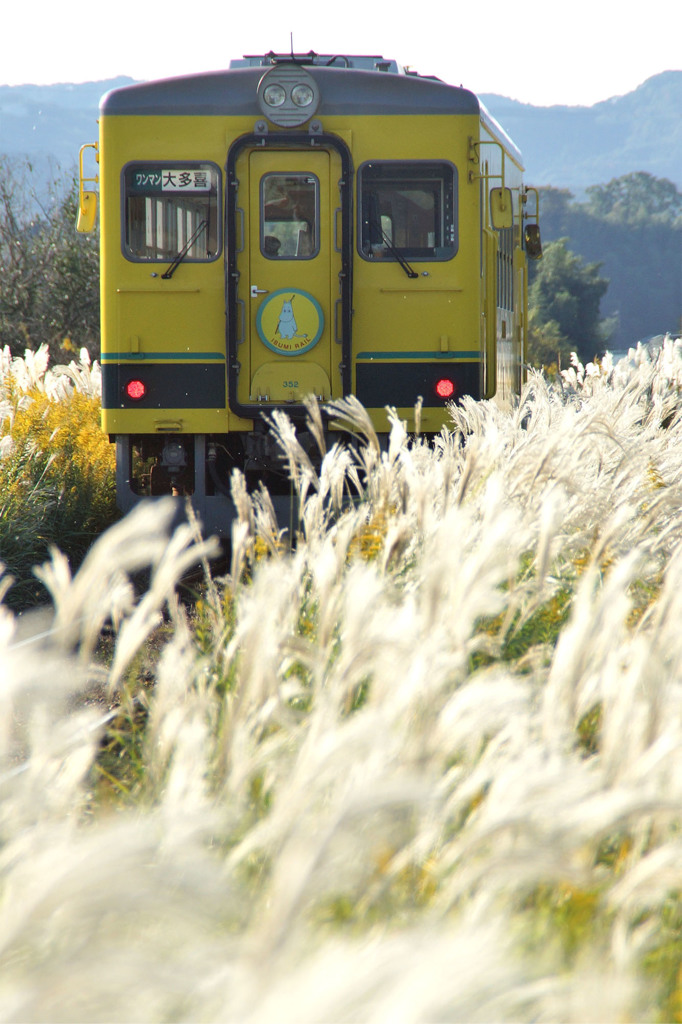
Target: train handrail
{"points": [[87, 199]]}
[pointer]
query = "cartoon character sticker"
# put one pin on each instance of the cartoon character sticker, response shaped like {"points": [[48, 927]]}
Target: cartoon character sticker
{"points": [[290, 321], [287, 326]]}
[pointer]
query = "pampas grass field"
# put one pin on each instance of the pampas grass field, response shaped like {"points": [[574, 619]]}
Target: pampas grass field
{"points": [[426, 765]]}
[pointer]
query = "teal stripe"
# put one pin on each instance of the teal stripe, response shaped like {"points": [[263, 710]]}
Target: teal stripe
{"points": [[116, 357], [452, 356]]}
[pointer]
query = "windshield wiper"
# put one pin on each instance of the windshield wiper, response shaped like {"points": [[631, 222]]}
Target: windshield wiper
{"points": [[177, 260], [394, 252]]}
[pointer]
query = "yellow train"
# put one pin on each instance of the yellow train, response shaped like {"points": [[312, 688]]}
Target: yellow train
{"points": [[298, 224]]}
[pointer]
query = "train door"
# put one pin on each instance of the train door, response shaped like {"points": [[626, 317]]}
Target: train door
{"points": [[288, 269]]}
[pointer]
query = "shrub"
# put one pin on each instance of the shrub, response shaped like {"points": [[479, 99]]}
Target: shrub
{"points": [[57, 481], [50, 275]]}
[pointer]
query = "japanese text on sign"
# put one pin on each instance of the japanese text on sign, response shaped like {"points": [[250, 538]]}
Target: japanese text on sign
{"points": [[173, 180]]}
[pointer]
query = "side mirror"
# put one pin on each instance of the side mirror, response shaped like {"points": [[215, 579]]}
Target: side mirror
{"points": [[531, 237], [87, 212], [501, 209]]}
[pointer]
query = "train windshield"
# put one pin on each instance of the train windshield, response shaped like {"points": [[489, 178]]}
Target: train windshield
{"points": [[289, 216], [408, 209], [171, 209]]}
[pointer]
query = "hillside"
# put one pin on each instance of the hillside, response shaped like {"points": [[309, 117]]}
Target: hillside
{"points": [[573, 147], [49, 123], [569, 147]]}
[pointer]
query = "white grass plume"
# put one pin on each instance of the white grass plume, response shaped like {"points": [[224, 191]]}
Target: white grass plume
{"points": [[359, 803]]}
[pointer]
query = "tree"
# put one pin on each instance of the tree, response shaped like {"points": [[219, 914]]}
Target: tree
{"points": [[50, 276], [564, 300], [635, 199], [555, 205], [633, 227], [547, 346]]}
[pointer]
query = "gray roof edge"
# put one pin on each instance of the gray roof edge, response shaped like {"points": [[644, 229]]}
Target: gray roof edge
{"points": [[343, 91]]}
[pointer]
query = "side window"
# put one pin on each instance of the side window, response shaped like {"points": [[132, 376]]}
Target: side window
{"points": [[409, 207], [289, 205], [505, 268], [168, 208]]}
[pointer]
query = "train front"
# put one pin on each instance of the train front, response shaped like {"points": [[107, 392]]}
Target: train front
{"points": [[289, 227]]}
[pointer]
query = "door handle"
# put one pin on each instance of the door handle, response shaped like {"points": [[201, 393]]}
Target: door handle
{"points": [[255, 291]]}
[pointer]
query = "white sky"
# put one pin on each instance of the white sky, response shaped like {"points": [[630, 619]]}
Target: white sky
{"points": [[537, 51]]}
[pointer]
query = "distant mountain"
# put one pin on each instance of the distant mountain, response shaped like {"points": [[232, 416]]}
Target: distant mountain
{"points": [[573, 147], [49, 123], [567, 147]]}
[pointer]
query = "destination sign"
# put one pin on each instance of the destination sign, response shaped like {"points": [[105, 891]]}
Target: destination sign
{"points": [[172, 179]]}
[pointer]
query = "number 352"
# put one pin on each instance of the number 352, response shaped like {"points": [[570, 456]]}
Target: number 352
{"points": [[290, 383]]}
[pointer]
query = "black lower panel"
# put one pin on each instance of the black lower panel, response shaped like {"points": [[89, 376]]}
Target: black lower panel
{"points": [[401, 384], [168, 385]]}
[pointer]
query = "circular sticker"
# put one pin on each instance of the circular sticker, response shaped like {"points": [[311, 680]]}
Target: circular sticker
{"points": [[290, 321]]}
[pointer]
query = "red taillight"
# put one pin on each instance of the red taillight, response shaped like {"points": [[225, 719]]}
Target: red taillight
{"points": [[136, 389], [445, 388]]}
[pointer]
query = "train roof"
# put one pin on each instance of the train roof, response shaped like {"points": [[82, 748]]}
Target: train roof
{"points": [[343, 90], [348, 84]]}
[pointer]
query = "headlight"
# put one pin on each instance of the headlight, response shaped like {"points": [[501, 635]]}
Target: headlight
{"points": [[288, 95], [302, 95], [274, 95]]}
